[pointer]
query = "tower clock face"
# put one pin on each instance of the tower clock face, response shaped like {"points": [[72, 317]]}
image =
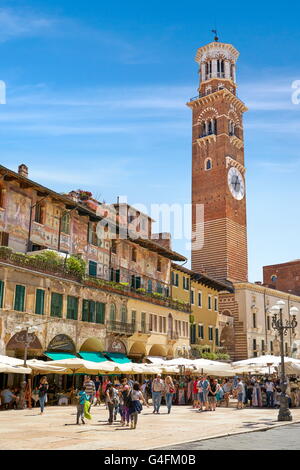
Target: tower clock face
{"points": [[236, 183]]}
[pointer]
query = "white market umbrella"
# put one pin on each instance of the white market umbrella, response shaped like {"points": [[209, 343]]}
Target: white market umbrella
{"points": [[292, 368], [44, 366], [264, 361], [7, 369], [81, 366], [12, 361]]}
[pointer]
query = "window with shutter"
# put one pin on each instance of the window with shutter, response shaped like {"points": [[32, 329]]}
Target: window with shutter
{"points": [[56, 305], [65, 223], [1, 293], [100, 313], [4, 238], [19, 298], [92, 268], [92, 311], [124, 314], [72, 307], [85, 310], [39, 301], [112, 314]]}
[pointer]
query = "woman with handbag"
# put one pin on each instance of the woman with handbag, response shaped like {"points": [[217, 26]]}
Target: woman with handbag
{"points": [[170, 390], [135, 406]]}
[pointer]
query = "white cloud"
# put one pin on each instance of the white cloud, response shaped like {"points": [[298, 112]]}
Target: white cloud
{"points": [[14, 24]]}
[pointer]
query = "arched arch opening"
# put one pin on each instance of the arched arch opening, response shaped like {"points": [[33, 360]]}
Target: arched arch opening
{"points": [[157, 350], [16, 345], [62, 343], [137, 350], [92, 345]]}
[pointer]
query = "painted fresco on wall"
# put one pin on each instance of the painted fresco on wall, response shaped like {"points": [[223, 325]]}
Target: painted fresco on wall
{"points": [[18, 213]]}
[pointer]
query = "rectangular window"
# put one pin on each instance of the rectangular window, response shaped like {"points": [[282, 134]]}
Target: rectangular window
{"points": [[39, 301], [159, 289], [114, 247], [193, 334], [199, 299], [268, 323], [133, 255], [286, 349], [151, 322], [263, 347], [159, 264], [210, 333], [1, 293], [133, 317], [56, 305], [100, 313], [92, 268], [216, 304], [209, 302], [88, 311], [72, 307], [92, 235], [65, 223], [155, 322], [143, 322], [186, 283], [254, 320], [39, 214], [200, 331], [192, 297], [217, 337], [165, 324], [160, 325], [254, 345], [2, 198], [19, 299], [271, 346], [4, 238]]}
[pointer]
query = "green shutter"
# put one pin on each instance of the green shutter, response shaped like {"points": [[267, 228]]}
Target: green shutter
{"points": [[39, 302], [19, 298], [72, 307], [92, 268], [85, 310], [1, 293], [100, 313], [56, 305], [92, 313]]}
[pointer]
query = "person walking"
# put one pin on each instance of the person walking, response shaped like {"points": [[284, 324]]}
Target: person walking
{"points": [[203, 393], [227, 388], [43, 388], [240, 394], [169, 390], [90, 389], [213, 389], [82, 398], [195, 394], [111, 401], [125, 400], [158, 387], [135, 406], [270, 388]]}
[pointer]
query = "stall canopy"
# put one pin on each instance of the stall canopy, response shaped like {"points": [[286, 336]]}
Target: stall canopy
{"points": [[92, 356], [57, 356], [117, 357]]}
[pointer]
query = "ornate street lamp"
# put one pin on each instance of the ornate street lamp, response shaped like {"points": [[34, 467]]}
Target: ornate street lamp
{"points": [[282, 328]]}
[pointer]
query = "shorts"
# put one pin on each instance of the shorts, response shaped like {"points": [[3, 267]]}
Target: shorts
{"points": [[203, 396], [240, 397], [195, 396], [212, 399]]}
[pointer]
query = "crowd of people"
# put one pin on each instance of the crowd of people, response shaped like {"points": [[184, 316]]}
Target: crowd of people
{"points": [[124, 397]]}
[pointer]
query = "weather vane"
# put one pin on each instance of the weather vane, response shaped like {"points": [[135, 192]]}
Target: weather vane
{"points": [[216, 34]]}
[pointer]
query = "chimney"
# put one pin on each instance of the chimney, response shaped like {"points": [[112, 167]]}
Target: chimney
{"points": [[23, 170]]}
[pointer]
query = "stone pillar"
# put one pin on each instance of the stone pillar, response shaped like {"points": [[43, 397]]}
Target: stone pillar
{"points": [[214, 68], [203, 76], [227, 69]]}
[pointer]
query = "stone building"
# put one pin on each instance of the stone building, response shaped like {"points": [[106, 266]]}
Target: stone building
{"points": [[121, 305]]}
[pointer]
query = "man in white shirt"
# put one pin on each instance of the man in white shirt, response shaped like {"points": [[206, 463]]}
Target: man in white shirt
{"points": [[158, 387], [270, 388]]}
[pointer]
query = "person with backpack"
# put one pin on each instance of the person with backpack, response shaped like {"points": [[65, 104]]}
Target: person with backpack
{"points": [[125, 401], [135, 406], [82, 398], [43, 389]]}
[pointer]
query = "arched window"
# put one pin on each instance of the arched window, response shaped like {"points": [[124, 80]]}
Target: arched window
{"points": [[220, 68], [123, 314], [112, 313], [209, 127], [208, 164]]}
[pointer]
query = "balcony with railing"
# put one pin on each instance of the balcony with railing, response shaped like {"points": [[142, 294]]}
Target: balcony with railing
{"points": [[119, 327]]}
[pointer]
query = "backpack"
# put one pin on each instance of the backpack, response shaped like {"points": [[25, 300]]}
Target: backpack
{"points": [[127, 398]]}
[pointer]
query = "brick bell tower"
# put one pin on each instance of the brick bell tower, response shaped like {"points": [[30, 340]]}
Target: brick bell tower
{"points": [[218, 172]]}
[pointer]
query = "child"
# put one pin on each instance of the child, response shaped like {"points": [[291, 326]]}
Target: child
{"points": [[83, 397]]}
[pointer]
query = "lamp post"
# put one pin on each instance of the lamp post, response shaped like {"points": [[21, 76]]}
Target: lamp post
{"points": [[27, 340], [278, 325]]}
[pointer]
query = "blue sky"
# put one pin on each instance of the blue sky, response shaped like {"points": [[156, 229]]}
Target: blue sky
{"points": [[96, 95]]}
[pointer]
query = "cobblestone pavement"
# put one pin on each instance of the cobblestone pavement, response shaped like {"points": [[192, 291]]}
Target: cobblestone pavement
{"points": [[281, 438], [56, 429]]}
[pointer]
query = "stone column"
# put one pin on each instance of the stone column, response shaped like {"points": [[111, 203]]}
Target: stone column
{"points": [[214, 68], [227, 69]]}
